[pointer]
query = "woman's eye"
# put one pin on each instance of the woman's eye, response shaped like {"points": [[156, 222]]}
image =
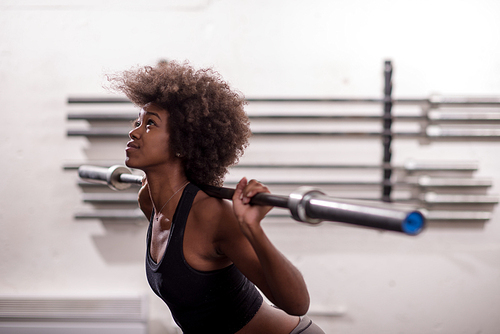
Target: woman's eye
{"points": [[137, 123]]}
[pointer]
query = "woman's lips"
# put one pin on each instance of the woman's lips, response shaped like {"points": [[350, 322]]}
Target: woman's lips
{"points": [[131, 146]]}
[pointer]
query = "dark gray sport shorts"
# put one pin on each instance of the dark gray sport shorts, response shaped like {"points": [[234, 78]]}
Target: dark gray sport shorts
{"points": [[306, 326]]}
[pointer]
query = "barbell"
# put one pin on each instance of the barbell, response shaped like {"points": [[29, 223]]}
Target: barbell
{"points": [[306, 204]]}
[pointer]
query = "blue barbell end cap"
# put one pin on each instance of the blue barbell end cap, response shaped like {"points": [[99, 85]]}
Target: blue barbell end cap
{"points": [[414, 223]]}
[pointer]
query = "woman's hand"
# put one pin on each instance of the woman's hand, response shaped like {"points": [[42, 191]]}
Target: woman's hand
{"points": [[249, 216]]}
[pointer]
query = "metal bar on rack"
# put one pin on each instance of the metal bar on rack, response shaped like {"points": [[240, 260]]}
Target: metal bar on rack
{"points": [[435, 100], [117, 132], [429, 198], [409, 166]]}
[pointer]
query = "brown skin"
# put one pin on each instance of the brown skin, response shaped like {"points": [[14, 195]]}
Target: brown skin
{"points": [[217, 233]]}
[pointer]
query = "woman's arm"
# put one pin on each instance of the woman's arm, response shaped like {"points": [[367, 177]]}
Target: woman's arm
{"points": [[258, 259]]}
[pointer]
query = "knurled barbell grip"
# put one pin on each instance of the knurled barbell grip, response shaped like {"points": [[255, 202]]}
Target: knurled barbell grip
{"points": [[259, 199], [93, 173]]}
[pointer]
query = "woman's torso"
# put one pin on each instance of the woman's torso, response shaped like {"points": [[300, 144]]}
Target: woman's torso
{"points": [[221, 300]]}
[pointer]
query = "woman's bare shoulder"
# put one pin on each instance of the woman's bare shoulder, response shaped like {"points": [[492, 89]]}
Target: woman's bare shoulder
{"points": [[215, 213]]}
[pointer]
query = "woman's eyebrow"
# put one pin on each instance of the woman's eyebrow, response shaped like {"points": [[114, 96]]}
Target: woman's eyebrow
{"points": [[153, 114]]}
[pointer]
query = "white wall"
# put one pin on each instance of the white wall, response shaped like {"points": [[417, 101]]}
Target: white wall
{"points": [[445, 281]]}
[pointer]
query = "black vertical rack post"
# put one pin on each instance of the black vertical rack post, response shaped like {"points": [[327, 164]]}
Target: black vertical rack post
{"points": [[387, 133]]}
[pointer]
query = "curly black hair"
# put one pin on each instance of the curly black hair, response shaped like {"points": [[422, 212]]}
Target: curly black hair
{"points": [[207, 122]]}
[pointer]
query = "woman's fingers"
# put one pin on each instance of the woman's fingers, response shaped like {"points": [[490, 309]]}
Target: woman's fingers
{"points": [[246, 190], [240, 187]]}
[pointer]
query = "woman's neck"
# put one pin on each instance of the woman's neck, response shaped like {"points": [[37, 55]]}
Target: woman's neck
{"points": [[164, 182]]}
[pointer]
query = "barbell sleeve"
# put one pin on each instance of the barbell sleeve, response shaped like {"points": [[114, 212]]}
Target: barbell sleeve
{"points": [[306, 204], [314, 206], [116, 177]]}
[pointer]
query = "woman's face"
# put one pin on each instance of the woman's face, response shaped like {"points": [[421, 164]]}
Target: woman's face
{"points": [[149, 140]]}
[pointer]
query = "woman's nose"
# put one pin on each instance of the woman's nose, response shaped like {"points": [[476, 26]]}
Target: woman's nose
{"points": [[134, 133]]}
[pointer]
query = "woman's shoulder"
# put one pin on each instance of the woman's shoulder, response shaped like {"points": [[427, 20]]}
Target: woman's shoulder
{"points": [[211, 208], [214, 213]]}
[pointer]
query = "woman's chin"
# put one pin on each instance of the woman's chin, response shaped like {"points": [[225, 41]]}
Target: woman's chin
{"points": [[129, 163]]}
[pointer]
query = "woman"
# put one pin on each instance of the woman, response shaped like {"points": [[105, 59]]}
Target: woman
{"points": [[205, 255]]}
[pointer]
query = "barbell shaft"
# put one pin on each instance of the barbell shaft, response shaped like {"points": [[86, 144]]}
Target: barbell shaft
{"points": [[305, 204]]}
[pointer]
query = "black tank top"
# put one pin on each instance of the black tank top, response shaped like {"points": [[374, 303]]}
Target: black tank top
{"points": [[220, 301]]}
